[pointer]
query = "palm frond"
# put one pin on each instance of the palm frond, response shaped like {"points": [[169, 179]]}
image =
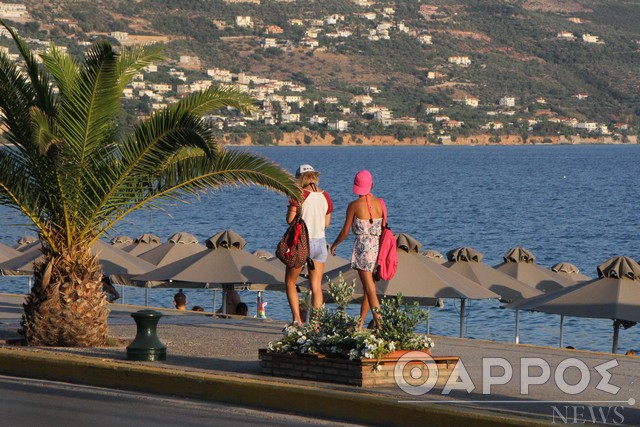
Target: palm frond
{"points": [[215, 98], [189, 174], [39, 79], [133, 59]]}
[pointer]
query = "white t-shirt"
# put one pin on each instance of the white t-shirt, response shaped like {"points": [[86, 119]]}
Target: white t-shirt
{"points": [[315, 207]]}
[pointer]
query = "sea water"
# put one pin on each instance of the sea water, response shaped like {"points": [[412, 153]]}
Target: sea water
{"points": [[574, 204]]}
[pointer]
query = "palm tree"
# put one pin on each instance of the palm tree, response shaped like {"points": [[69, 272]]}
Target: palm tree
{"points": [[65, 165]]}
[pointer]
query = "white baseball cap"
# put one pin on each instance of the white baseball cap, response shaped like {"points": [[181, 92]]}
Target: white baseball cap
{"points": [[304, 169]]}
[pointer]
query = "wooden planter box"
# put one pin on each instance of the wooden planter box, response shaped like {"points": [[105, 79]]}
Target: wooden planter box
{"points": [[358, 372]]}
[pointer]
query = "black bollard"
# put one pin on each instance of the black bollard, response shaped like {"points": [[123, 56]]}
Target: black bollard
{"points": [[146, 346]]}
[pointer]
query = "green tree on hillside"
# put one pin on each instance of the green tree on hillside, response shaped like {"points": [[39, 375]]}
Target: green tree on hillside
{"points": [[64, 165]]}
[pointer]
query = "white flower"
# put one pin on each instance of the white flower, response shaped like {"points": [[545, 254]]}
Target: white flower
{"points": [[378, 367], [392, 346]]}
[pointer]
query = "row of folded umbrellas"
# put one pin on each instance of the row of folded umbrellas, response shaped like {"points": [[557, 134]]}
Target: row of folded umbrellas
{"points": [[423, 276]]}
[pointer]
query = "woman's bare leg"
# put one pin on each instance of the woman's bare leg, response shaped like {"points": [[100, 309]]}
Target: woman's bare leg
{"points": [[315, 281], [364, 310], [291, 275], [369, 288]]}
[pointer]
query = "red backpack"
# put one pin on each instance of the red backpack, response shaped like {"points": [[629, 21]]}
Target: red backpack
{"points": [[387, 263]]}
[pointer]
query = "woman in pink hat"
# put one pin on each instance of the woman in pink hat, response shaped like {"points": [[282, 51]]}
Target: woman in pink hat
{"points": [[365, 217], [315, 210]]}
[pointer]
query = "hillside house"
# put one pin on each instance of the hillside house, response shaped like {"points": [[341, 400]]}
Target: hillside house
{"points": [[189, 61], [361, 99], [492, 126], [290, 118], [581, 96], [588, 38], [588, 126], [540, 100], [317, 120], [507, 101], [309, 42], [161, 87], [425, 38], [296, 21], [220, 75], [371, 16], [338, 125], [333, 19], [459, 60], [433, 75], [471, 101], [274, 29], [452, 124], [565, 35], [13, 10], [244, 22], [441, 118], [120, 36], [269, 42], [406, 121], [431, 109], [427, 10]]}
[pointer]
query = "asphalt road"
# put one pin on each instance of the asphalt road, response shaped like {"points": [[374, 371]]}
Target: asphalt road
{"points": [[26, 402]]}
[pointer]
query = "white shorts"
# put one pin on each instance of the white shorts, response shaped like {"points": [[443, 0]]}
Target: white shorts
{"points": [[318, 249]]}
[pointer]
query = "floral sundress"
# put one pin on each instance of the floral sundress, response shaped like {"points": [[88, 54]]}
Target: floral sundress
{"points": [[366, 244]]}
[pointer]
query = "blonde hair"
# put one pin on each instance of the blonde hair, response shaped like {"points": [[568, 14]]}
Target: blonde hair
{"points": [[308, 178]]}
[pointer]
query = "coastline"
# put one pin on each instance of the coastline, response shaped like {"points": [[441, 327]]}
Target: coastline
{"points": [[315, 139]]}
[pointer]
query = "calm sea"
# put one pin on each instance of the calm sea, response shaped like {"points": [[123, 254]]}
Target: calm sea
{"points": [[574, 204]]}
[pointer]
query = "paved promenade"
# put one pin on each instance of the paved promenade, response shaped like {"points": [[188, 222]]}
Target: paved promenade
{"points": [[217, 359]]}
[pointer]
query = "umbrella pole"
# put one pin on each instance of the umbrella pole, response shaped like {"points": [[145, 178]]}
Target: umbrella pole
{"points": [[428, 318], [146, 296], [462, 306], [224, 299], [517, 326], [29, 284], [213, 303], [616, 332], [561, 330], [258, 302], [122, 300]]}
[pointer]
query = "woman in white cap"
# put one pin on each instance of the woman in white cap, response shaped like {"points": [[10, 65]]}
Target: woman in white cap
{"points": [[365, 217], [316, 211]]}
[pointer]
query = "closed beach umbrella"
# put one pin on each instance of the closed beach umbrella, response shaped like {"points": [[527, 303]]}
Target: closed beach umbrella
{"points": [[571, 270], [25, 243], [223, 264], [7, 253], [264, 254], [615, 294], [468, 262], [519, 263], [114, 261], [434, 256], [177, 247], [143, 243], [121, 242], [420, 279]]}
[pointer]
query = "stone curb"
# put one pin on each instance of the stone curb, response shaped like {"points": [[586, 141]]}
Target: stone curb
{"points": [[360, 407]]}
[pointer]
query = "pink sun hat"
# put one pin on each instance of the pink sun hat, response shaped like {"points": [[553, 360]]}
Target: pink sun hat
{"points": [[362, 183]]}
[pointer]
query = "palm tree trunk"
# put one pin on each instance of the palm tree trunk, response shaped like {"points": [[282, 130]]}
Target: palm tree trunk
{"points": [[66, 307]]}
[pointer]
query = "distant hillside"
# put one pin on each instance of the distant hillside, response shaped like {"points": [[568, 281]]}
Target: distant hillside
{"points": [[574, 58]]}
